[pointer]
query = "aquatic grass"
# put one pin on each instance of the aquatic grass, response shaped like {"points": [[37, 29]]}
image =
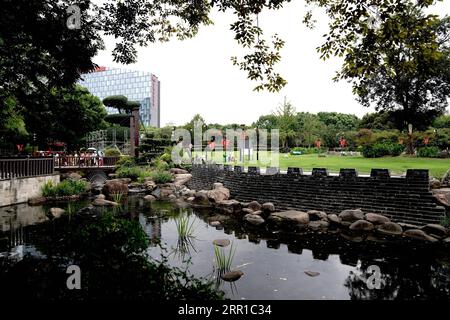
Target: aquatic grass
{"points": [[185, 226], [117, 196], [48, 189], [224, 260], [65, 188], [185, 229]]}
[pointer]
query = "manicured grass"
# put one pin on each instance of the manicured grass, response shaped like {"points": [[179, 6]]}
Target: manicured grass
{"points": [[397, 165]]}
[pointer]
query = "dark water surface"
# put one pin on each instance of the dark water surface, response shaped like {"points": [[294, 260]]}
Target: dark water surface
{"points": [[33, 256]]}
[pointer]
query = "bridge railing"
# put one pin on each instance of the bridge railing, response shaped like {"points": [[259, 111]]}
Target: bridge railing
{"points": [[87, 161], [11, 168]]}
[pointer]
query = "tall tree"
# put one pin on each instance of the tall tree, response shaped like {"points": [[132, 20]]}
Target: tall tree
{"points": [[69, 115], [286, 122], [396, 56], [37, 53]]}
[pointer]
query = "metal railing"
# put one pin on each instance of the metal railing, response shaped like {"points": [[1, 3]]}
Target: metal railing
{"points": [[86, 161], [11, 168]]}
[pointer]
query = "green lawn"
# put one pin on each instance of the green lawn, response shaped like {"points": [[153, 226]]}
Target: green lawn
{"points": [[397, 165]]}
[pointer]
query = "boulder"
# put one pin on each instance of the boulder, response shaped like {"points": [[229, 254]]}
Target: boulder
{"points": [[136, 190], [36, 201], [418, 234], [447, 240], [101, 196], [407, 226], [135, 185], [55, 213], [318, 224], [257, 213], [435, 183], [164, 192], [442, 196], [149, 185], [104, 203], [218, 194], [115, 186], [229, 206], [178, 171], [254, 219], [185, 192], [96, 187], [345, 224], [74, 176], [351, 215], [232, 275], [435, 230], [390, 228], [123, 180], [376, 218], [201, 199], [315, 215], [217, 185], [221, 242], [268, 207], [247, 211], [182, 178], [254, 205], [361, 225], [190, 199], [334, 218], [215, 223], [292, 216], [150, 198]]}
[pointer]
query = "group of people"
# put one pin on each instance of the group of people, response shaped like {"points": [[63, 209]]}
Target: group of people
{"points": [[83, 159]]}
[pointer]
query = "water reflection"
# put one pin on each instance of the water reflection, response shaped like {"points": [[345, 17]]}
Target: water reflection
{"points": [[273, 261]]}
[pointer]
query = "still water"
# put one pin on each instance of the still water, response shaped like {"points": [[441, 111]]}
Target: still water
{"points": [[277, 264]]}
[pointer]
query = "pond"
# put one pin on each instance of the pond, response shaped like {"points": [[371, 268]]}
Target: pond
{"points": [[276, 264]]}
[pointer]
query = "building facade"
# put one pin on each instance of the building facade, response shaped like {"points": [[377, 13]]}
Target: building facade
{"points": [[135, 85]]}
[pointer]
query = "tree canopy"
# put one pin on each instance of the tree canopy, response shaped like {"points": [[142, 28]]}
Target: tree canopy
{"points": [[398, 62], [68, 116]]}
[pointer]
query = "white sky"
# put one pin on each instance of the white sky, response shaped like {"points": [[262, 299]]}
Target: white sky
{"points": [[197, 75]]}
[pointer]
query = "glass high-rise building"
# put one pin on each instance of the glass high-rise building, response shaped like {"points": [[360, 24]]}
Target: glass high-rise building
{"points": [[135, 85]]}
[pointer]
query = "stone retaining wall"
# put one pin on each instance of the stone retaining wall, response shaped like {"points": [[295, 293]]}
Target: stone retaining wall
{"points": [[402, 199], [18, 190]]}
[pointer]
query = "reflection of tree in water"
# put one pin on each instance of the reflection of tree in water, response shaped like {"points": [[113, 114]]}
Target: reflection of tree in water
{"points": [[110, 252], [408, 270]]}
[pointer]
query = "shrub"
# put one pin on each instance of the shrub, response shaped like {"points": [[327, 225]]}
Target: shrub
{"points": [[377, 150], [160, 165], [125, 161], [428, 152], [129, 172], [65, 188], [112, 152], [48, 189], [161, 176], [166, 157], [388, 136]]}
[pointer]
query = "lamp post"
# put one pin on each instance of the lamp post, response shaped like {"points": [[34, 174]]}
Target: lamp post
{"points": [[257, 144], [242, 150]]}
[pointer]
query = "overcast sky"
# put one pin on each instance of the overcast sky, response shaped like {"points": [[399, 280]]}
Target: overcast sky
{"points": [[197, 75]]}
